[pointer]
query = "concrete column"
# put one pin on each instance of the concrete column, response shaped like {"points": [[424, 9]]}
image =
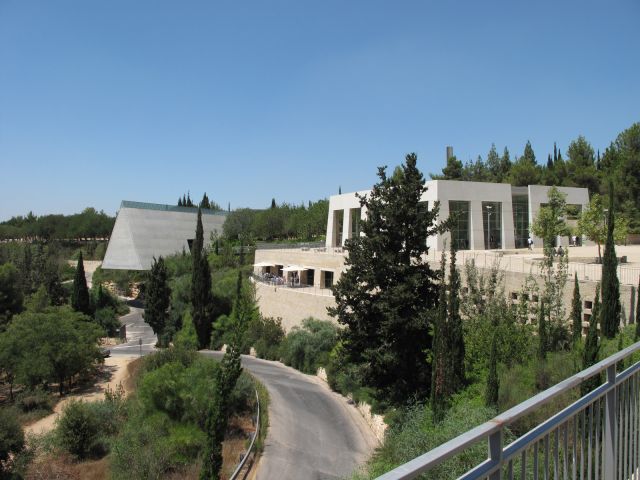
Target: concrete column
{"points": [[477, 228], [346, 226], [330, 222], [508, 236]]}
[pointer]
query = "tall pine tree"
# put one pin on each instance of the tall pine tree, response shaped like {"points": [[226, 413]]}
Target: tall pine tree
{"points": [[493, 382], [80, 294], [576, 310], [158, 299], [543, 333], [440, 377], [591, 347], [388, 291], [611, 308], [456, 334], [201, 295]]}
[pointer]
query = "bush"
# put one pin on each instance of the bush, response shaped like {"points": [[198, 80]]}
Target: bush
{"points": [[307, 348], [31, 400], [243, 395], [415, 433], [168, 355], [78, 429], [265, 334], [11, 435], [142, 450], [523, 381], [186, 338], [107, 319]]}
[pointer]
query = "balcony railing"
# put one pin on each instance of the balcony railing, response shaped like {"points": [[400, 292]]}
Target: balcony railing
{"points": [[598, 436]]}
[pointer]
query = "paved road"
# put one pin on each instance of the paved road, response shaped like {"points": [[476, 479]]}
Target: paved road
{"points": [[313, 432], [137, 330]]}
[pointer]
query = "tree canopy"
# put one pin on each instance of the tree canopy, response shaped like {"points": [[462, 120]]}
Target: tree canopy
{"points": [[388, 293]]}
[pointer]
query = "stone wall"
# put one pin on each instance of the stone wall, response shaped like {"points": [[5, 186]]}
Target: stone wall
{"points": [[292, 305]]}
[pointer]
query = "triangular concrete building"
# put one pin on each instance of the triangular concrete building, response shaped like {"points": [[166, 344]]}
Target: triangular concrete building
{"points": [[146, 230]]}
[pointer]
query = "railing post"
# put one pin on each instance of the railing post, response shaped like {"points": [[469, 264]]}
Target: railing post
{"points": [[610, 423], [495, 453]]}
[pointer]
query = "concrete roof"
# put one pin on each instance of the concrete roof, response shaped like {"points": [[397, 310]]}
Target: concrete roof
{"points": [[146, 230]]}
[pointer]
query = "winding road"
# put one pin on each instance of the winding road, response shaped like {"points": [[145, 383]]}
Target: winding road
{"points": [[313, 433], [140, 336]]}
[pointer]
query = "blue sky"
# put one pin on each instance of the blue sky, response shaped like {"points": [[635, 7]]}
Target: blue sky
{"points": [[141, 100]]}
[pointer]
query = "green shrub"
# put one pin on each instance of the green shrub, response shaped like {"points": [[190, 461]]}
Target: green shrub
{"points": [[243, 395], [168, 355], [186, 338], [78, 429], [265, 334], [523, 381], [307, 348], [11, 435], [31, 400], [414, 433], [162, 389], [142, 450], [107, 319]]}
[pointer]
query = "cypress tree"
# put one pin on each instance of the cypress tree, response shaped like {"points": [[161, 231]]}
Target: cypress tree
{"points": [[493, 382], [549, 162], [179, 201], [638, 311], [205, 201], [456, 335], [591, 347], [80, 293], [440, 380], [555, 153], [611, 307], [576, 310], [388, 294], [543, 333], [158, 299], [273, 203], [201, 296], [184, 200]]}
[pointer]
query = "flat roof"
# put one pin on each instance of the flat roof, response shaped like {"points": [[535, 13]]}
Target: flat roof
{"points": [[168, 208]]}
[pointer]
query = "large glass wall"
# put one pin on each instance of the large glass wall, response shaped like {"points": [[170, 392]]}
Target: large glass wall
{"points": [[355, 222], [520, 220], [492, 224], [460, 227]]}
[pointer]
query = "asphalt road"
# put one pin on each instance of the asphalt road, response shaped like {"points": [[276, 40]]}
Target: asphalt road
{"points": [[313, 432], [140, 336]]}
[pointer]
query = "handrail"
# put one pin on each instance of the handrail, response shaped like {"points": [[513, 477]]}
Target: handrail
{"points": [[236, 472], [448, 449]]}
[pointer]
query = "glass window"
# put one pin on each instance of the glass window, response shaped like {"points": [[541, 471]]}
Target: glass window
{"points": [[520, 205], [328, 279], [459, 213], [355, 222], [492, 224], [310, 276]]}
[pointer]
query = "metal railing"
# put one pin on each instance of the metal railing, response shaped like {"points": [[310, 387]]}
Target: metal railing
{"points": [[597, 436], [296, 287], [288, 246], [242, 463]]}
